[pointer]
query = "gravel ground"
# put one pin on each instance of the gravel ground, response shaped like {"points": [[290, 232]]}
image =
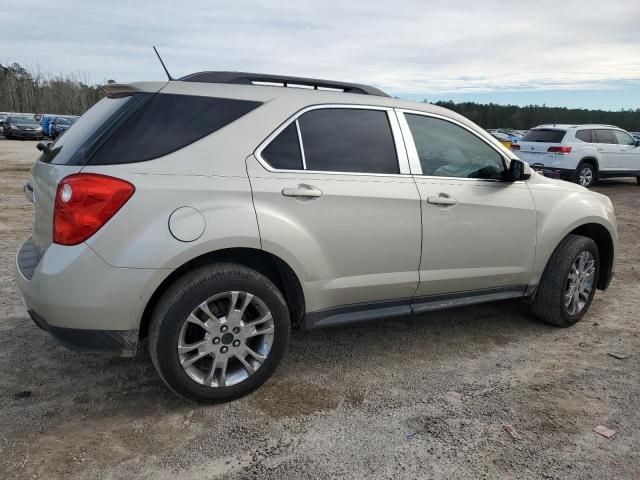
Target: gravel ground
{"points": [[427, 397]]}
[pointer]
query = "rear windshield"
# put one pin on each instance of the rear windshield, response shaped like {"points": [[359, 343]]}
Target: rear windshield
{"points": [[143, 126], [23, 120], [545, 135]]}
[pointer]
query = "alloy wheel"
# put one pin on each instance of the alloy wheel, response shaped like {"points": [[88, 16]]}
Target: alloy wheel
{"points": [[580, 283], [225, 339], [585, 177]]}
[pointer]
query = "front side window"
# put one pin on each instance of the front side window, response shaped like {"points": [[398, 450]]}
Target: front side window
{"points": [[348, 140], [604, 136], [623, 138], [448, 150]]}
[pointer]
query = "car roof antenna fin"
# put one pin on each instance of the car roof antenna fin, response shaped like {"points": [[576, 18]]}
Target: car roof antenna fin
{"points": [[163, 65]]}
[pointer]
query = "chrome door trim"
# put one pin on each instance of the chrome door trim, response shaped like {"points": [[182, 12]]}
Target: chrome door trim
{"points": [[304, 159], [401, 153]]}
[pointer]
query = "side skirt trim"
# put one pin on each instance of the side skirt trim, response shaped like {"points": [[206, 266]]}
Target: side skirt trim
{"points": [[397, 308]]}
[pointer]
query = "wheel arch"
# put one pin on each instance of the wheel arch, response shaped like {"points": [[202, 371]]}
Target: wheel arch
{"points": [[268, 264], [599, 234], [592, 160]]}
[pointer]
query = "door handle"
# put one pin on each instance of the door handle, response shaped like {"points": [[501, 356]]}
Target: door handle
{"points": [[302, 191], [441, 199], [28, 193]]}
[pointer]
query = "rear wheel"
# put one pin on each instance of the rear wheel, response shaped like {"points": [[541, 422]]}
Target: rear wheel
{"points": [[586, 174], [568, 284], [219, 333]]}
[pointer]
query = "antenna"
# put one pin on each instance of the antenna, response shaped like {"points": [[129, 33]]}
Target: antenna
{"points": [[163, 65]]}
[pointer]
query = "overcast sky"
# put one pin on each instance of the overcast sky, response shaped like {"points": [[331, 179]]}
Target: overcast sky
{"points": [[560, 52]]}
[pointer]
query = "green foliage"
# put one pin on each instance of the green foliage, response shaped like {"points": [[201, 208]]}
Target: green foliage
{"points": [[22, 90], [522, 118]]}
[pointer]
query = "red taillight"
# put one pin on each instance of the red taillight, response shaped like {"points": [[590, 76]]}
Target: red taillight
{"points": [[515, 146], [559, 150], [84, 203]]}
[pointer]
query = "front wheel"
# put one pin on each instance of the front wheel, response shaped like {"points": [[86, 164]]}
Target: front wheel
{"points": [[219, 333], [569, 281], [586, 174]]}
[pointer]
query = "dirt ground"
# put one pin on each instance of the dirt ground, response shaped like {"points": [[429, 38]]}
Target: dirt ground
{"points": [[412, 398]]}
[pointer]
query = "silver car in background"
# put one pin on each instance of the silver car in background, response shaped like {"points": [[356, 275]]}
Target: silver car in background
{"points": [[210, 215]]}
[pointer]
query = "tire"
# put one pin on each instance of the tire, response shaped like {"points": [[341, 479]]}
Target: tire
{"points": [[549, 303], [586, 174], [185, 298]]}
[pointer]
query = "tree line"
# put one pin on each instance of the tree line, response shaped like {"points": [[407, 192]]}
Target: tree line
{"points": [[523, 118], [24, 90]]}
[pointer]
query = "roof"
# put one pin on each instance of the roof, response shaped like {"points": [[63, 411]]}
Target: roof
{"points": [[245, 78], [566, 125]]}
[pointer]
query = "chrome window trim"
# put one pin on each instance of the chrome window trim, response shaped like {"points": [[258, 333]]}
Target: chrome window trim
{"points": [[304, 159], [412, 152], [399, 144]]}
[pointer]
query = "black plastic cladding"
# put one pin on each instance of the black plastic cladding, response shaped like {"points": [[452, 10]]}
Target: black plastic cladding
{"points": [[245, 78]]}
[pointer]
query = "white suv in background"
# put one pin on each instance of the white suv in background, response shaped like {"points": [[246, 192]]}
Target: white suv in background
{"points": [[581, 153]]}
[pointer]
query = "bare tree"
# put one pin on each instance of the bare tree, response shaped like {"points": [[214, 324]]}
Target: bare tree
{"points": [[23, 90]]}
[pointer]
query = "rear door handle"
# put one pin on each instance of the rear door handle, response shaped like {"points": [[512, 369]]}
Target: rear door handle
{"points": [[441, 199], [28, 193], [302, 191]]}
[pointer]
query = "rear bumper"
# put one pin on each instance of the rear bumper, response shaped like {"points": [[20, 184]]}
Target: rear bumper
{"points": [[553, 172], [81, 300], [25, 134], [119, 342]]}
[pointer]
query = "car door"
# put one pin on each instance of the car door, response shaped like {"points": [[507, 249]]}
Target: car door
{"points": [[608, 150], [628, 152], [478, 231], [335, 200]]}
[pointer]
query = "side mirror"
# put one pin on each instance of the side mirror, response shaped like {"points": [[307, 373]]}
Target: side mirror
{"points": [[637, 143], [43, 146], [517, 171]]}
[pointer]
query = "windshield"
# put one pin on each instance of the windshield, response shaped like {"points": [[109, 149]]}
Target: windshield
{"points": [[64, 121], [23, 120]]}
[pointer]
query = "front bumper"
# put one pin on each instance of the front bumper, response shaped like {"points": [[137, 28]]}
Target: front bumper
{"points": [[87, 304]]}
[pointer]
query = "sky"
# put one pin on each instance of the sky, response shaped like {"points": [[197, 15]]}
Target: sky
{"points": [[561, 53]]}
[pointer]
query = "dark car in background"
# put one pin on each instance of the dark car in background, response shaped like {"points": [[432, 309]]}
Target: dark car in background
{"points": [[59, 125], [22, 125]]}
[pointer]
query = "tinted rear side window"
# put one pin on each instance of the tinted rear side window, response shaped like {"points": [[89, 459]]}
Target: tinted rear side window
{"points": [[348, 140], [284, 151], [544, 135], [585, 136], [604, 136], [166, 123], [70, 148]]}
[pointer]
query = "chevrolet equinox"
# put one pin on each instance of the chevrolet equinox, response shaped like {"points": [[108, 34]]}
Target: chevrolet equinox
{"points": [[206, 217]]}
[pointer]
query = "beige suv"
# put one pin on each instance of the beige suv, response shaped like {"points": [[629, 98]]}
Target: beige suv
{"points": [[211, 214]]}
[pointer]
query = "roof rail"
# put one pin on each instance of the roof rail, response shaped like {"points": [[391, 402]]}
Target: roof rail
{"points": [[244, 78]]}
